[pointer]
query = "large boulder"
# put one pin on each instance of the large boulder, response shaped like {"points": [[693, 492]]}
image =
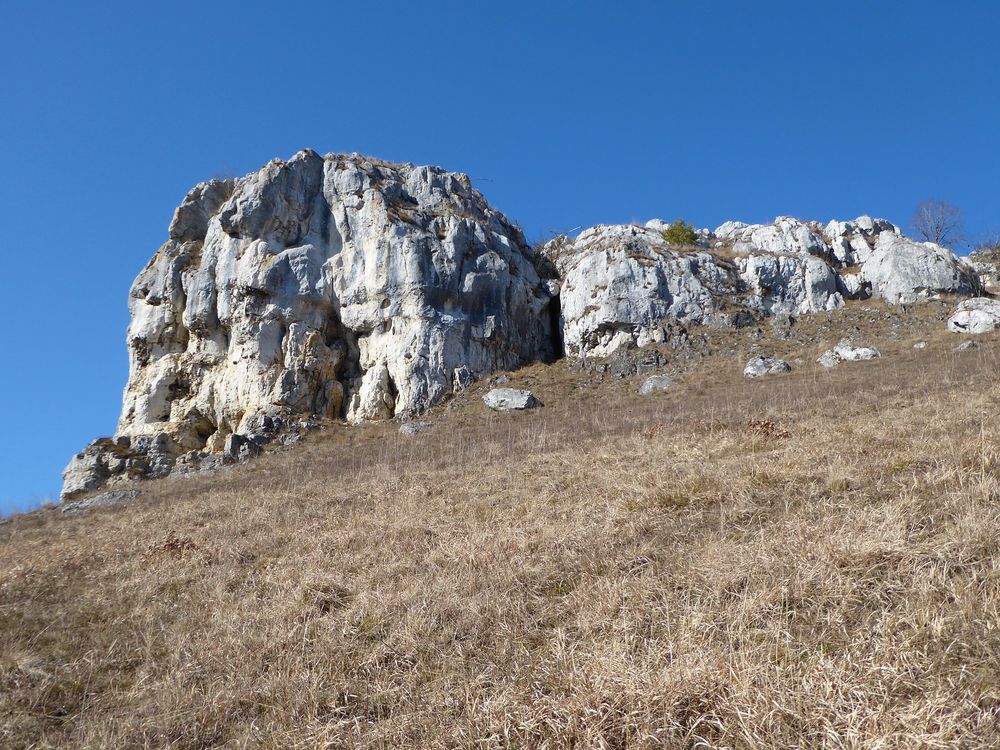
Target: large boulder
{"points": [[902, 271], [979, 315], [337, 286]]}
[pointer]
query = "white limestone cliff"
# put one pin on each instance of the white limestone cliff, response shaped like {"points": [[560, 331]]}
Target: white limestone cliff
{"points": [[327, 286]]}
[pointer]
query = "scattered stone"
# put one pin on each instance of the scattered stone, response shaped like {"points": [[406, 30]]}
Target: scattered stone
{"points": [[920, 345], [759, 367], [507, 399], [414, 428], [655, 383], [978, 315], [104, 500], [829, 358], [967, 346], [849, 353]]}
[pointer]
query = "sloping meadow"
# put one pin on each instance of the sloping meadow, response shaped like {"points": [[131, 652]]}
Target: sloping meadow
{"points": [[805, 561]]}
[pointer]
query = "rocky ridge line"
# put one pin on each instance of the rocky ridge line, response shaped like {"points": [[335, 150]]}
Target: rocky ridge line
{"points": [[344, 287]]}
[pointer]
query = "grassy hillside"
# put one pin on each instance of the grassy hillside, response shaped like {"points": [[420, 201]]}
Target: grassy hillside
{"points": [[806, 561]]}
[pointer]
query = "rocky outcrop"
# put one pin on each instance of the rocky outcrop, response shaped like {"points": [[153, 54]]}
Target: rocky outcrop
{"points": [[619, 284], [900, 270], [343, 287], [335, 286]]}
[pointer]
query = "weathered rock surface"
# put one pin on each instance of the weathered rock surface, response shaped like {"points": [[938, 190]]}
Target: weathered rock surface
{"points": [[655, 384], [979, 315], [340, 286], [903, 271], [845, 351], [759, 367], [336, 286], [415, 428], [510, 399], [620, 283], [103, 500], [966, 346]]}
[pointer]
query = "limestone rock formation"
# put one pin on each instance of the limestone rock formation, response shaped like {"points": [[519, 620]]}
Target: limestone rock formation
{"points": [[338, 286], [329, 285], [901, 270], [619, 284], [978, 315]]}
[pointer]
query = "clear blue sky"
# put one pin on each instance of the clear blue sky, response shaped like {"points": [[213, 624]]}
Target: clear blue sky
{"points": [[565, 115]]}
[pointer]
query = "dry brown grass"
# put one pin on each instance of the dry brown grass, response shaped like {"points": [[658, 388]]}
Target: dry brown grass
{"points": [[808, 561]]}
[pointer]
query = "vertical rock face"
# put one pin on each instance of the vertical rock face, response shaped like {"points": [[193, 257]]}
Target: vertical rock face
{"points": [[331, 286]]}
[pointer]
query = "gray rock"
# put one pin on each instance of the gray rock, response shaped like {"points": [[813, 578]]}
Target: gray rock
{"points": [[901, 270], [920, 345], [828, 359], [240, 448], [654, 384], [414, 428], [788, 285], [620, 283], [967, 346], [847, 352], [507, 399], [103, 500], [979, 315], [759, 367], [328, 286]]}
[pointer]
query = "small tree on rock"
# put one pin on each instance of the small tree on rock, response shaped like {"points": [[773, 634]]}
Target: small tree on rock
{"points": [[939, 221], [680, 233]]}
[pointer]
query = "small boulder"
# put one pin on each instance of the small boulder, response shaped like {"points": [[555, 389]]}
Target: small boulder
{"points": [[829, 359], [920, 345], [414, 428], [978, 315], [759, 367], [655, 383], [240, 448], [849, 353], [967, 346], [507, 399]]}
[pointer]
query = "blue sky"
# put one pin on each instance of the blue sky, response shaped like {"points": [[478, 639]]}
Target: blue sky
{"points": [[564, 114]]}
